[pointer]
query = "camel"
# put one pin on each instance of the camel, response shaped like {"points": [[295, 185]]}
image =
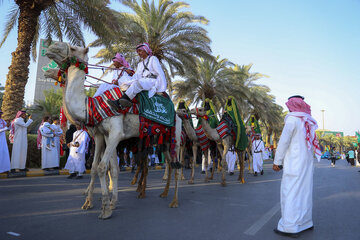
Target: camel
{"points": [[223, 144], [140, 159], [190, 132], [107, 134]]}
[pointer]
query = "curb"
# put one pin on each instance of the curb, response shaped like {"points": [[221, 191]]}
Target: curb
{"points": [[40, 172]]}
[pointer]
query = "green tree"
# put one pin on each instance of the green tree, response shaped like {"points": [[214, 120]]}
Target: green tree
{"points": [[208, 78], [48, 107], [50, 18], [175, 35]]}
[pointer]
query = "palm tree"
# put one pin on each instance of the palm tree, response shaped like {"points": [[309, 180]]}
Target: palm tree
{"points": [[174, 35], [51, 18], [209, 78], [48, 107]]}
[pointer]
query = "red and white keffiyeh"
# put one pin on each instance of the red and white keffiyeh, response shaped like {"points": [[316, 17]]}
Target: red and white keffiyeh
{"points": [[299, 108], [12, 126], [146, 48]]}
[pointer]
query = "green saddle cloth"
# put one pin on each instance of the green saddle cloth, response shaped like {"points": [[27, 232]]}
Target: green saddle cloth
{"points": [[158, 108]]}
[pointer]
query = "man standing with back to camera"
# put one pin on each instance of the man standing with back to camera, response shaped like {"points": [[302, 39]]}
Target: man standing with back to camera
{"points": [[296, 153]]}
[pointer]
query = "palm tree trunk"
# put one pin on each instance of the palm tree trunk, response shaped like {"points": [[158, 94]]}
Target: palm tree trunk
{"points": [[19, 69]]}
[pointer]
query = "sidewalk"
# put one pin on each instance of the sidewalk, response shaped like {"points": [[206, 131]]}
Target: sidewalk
{"points": [[36, 172]]}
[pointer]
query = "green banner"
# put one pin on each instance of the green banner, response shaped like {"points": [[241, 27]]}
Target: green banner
{"points": [[241, 137], [158, 108]]}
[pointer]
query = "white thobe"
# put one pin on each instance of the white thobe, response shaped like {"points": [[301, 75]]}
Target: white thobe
{"points": [[124, 78], [4, 151], [258, 150], [76, 160], [141, 81], [204, 161], [20, 145], [297, 180], [49, 158], [231, 159], [57, 134]]}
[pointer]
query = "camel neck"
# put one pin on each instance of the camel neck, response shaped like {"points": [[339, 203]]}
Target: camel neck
{"points": [[189, 130], [210, 132], [74, 100]]}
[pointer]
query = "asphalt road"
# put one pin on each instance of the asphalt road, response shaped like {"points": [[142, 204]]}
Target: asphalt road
{"points": [[49, 208]]}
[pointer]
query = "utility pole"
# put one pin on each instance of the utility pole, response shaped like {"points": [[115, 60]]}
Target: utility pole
{"points": [[323, 118]]}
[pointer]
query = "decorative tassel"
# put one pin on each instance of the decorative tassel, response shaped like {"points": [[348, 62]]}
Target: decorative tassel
{"points": [[77, 64], [161, 139], [86, 70], [147, 142], [55, 83], [59, 73]]}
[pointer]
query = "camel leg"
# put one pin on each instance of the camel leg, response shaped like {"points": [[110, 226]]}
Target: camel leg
{"points": [[241, 156], [168, 179], [144, 174], [182, 161], [114, 176], [207, 157], [194, 149], [99, 148], [175, 203], [224, 165], [138, 164], [166, 172], [111, 142]]}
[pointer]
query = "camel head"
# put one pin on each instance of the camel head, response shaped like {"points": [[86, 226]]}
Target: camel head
{"points": [[182, 113], [61, 52], [52, 73], [199, 112]]}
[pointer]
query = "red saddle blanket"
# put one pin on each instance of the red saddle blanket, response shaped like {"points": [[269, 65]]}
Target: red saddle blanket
{"points": [[98, 108], [203, 139]]}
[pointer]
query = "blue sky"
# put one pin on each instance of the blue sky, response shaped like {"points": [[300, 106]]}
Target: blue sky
{"points": [[306, 47]]}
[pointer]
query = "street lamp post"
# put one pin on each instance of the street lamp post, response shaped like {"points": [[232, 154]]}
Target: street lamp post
{"points": [[323, 118]]}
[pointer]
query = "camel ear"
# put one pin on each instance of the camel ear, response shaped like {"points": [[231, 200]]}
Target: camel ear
{"points": [[86, 50]]}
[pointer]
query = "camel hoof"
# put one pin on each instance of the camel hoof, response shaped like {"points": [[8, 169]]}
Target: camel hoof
{"points": [[182, 178], [164, 178], [164, 195], [133, 182], [113, 205], [242, 180], [191, 182], [223, 183], [105, 214], [87, 205], [206, 180], [211, 178], [141, 195], [174, 204]]}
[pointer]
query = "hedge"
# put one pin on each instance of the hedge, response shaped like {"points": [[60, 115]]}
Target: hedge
{"points": [[33, 159]]}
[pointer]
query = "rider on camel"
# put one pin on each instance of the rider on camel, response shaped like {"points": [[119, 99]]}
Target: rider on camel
{"points": [[149, 76]]}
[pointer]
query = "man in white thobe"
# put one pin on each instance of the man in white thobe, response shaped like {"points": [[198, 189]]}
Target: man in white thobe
{"points": [[295, 153], [19, 138], [258, 150], [4, 151], [122, 74], [76, 161], [48, 154], [149, 76], [231, 159], [57, 134]]}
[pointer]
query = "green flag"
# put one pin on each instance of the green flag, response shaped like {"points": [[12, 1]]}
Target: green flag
{"points": [[241, 141], [358, 136], [254, 124]]}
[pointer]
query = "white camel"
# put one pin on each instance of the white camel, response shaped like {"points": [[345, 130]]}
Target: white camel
{"points": [[107, 134], [223, 144]]}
